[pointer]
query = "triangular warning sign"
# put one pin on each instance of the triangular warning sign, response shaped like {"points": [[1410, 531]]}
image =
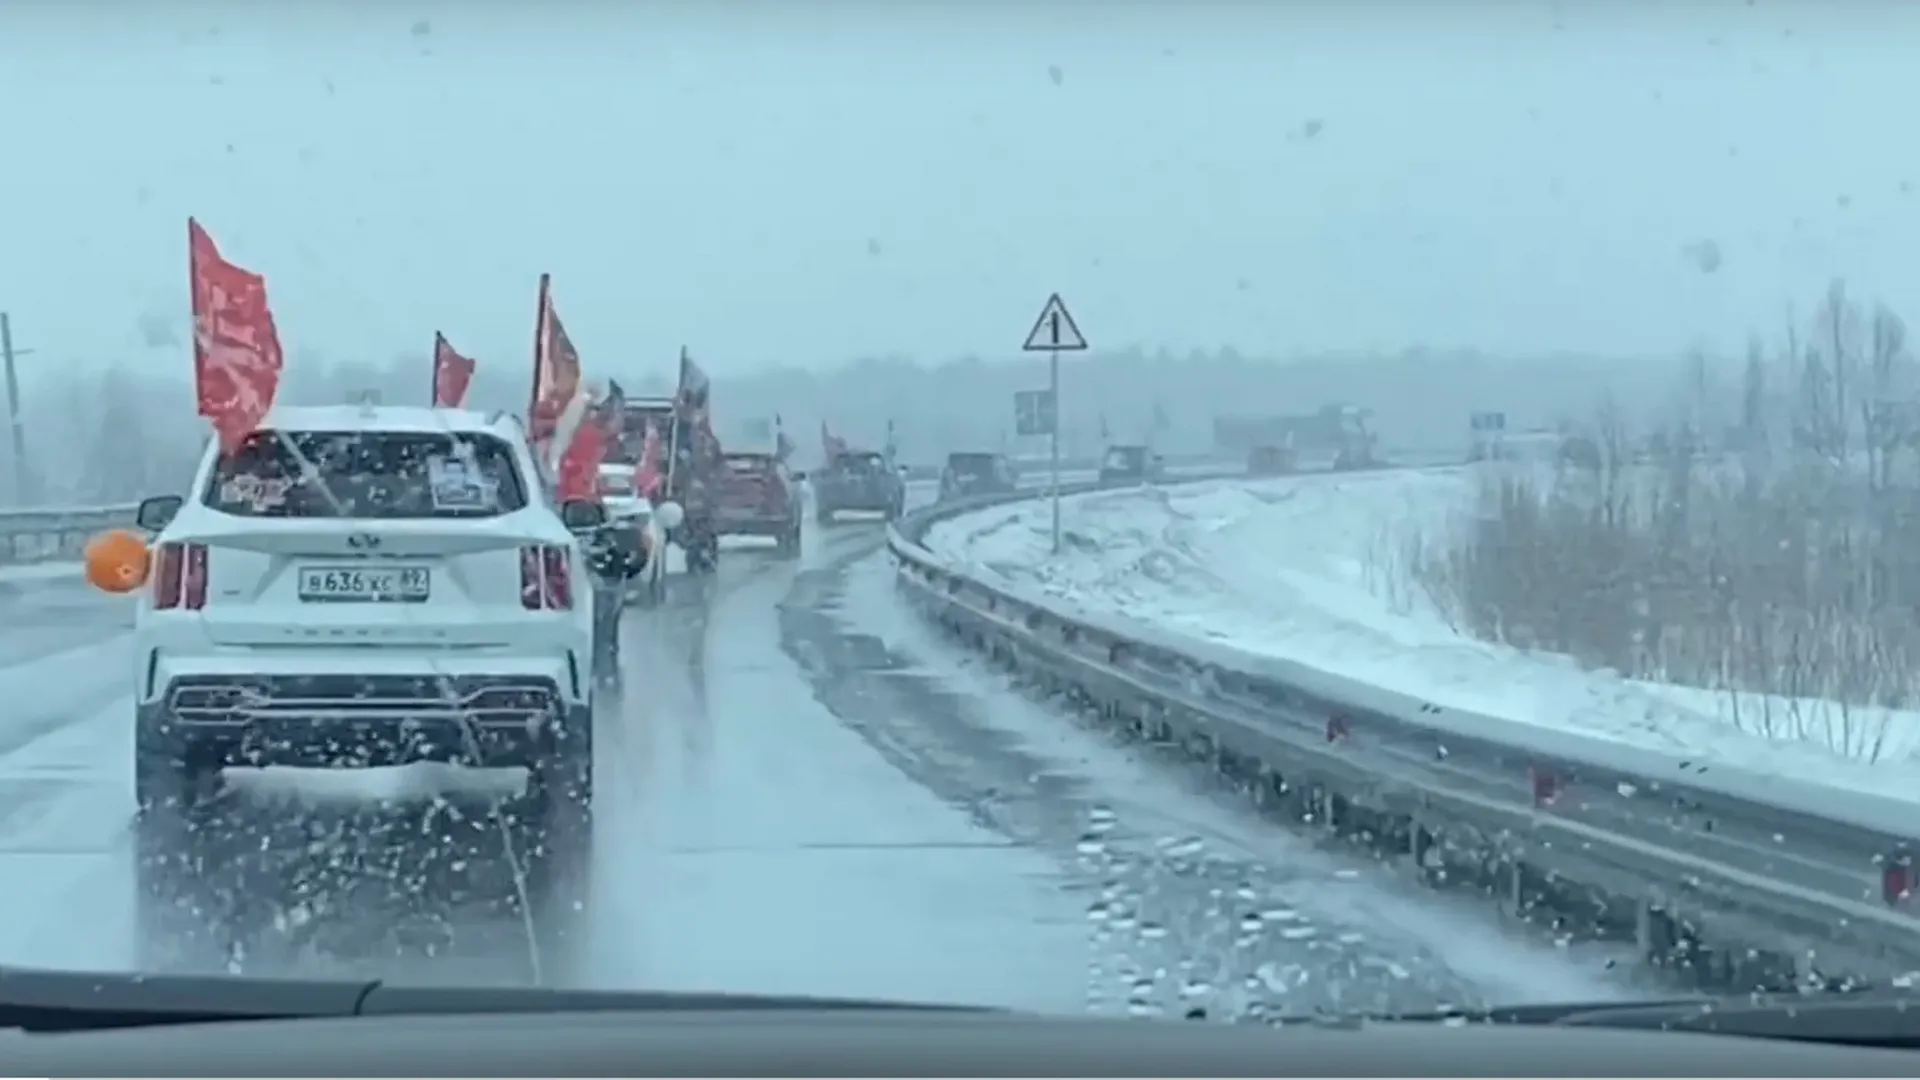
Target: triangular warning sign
{"points": [[1055, 331]]}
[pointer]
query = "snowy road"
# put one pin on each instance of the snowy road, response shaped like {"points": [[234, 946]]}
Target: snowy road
{"points": [[801, 791]]}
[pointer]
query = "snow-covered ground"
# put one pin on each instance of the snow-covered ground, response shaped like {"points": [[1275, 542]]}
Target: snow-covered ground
{"points": [[1309, 569], [41, 571]]}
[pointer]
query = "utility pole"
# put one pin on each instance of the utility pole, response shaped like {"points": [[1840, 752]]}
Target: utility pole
{"points": [[21, 485]]}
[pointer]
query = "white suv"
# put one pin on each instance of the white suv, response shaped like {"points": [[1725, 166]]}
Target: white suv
{"points": [[628, 509], [364, 585]]}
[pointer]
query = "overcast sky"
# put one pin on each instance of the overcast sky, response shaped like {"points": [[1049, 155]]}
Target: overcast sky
{"points": [[804, 181]]}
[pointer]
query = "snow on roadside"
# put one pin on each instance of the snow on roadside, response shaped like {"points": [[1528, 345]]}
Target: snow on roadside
{"points": [[41, 571], [1308, 569]]}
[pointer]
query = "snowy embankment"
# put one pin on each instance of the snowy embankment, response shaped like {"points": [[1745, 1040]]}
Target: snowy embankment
{"points": [[1313, 569]]}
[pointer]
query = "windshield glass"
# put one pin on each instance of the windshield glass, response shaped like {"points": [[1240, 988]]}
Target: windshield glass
{"points": [[1451, 532], [366, 474]]}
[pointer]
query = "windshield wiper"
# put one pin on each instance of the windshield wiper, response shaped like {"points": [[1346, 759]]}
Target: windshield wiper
{"points": [[53, 1001], [1877, 1016]]}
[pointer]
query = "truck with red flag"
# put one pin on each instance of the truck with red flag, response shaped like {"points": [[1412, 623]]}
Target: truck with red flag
{"points": [[852, 480], [677, 458]]}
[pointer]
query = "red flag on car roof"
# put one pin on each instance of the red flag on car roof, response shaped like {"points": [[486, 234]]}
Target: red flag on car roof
{"points": [[556, 380], [452, 374], [236, 348], [831, 445], [578, 474], [650, 473]]}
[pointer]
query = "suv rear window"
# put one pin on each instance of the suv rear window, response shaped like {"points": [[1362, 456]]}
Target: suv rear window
{"points": [[367, 474], [861, 463], [750, 464]]}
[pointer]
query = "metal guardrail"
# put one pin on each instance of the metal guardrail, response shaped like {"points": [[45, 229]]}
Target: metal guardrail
{"points": [[45, 535], [1732, 878]]}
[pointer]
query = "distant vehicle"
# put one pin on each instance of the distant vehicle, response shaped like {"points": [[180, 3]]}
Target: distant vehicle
{"points": [[756, 500], [693, 465], [366, 586], [977, 473], [1356, 459], [858, 481], [1271, 461], [1540, 448], [647, 525], [1130, 465]]}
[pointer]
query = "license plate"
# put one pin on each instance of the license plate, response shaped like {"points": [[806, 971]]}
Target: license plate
{"points": [[359, 584]]}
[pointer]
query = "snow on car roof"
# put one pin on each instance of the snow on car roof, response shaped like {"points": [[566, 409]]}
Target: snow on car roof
{"points": [[418, 418]]}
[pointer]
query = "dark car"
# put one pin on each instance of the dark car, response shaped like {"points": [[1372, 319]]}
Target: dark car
{"points": [[978, 474], [756, 500], [1271, 461], [858, 481], [1130, 465]]}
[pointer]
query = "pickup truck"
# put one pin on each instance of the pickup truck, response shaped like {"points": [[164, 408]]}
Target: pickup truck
{"points": [[1123, 465], [978, 474], [756, 500], [1270, 460], [858, 481]]}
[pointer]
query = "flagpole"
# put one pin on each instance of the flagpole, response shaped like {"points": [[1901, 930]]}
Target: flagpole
{"points": [[539, 346]]}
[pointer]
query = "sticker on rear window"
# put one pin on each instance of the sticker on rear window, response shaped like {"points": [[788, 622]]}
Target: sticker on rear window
{"points": [[455, 484], [255, 493]]}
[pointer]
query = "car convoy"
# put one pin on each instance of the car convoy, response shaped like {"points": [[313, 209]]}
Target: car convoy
{"points": [[365, 585]]}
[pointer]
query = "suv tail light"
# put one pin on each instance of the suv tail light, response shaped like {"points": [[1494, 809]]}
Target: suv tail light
{"points": [[180, 577], [546, 578]]}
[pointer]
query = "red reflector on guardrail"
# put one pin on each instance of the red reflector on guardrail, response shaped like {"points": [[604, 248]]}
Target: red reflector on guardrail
{"points": [[1896, 879], [1546, 786]]}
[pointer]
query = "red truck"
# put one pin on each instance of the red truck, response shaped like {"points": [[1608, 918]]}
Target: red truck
{"points": [[757, 499]]}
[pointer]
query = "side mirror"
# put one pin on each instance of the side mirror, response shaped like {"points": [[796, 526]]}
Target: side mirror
{"points": [[669, 515], [582, 515], [158, 512]]}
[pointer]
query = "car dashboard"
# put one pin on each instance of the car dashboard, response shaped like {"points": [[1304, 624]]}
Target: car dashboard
{"points": [[171, 1026]]}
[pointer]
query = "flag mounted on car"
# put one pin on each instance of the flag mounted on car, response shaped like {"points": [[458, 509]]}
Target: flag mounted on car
{"points": [[452, 374], [236, 347]]}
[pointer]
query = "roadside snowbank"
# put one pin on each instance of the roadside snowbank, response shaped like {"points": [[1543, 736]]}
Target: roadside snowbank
{"points": [[1311, 569]]}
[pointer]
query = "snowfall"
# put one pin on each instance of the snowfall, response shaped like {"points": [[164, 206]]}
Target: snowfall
{"points": [[805, 790], [1312, 569]]}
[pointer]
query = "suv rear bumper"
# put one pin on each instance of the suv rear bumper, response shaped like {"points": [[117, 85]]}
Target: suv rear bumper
{"points": [[755, 526], [870, 504], [362, 720]]}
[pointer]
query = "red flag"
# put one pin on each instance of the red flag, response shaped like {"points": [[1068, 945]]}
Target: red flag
{"points": [[649, 473], [556, 374], [831, 445], [236, 349], [579, 469], [452, 374]]}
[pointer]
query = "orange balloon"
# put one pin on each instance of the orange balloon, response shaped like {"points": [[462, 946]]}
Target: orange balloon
{"points": [[117, 561]]}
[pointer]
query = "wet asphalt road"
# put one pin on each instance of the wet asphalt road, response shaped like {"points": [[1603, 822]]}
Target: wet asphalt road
{"points": [[1175, 915]]}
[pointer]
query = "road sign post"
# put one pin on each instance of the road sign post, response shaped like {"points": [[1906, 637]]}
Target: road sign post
{"points": [[1054, 333]]}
